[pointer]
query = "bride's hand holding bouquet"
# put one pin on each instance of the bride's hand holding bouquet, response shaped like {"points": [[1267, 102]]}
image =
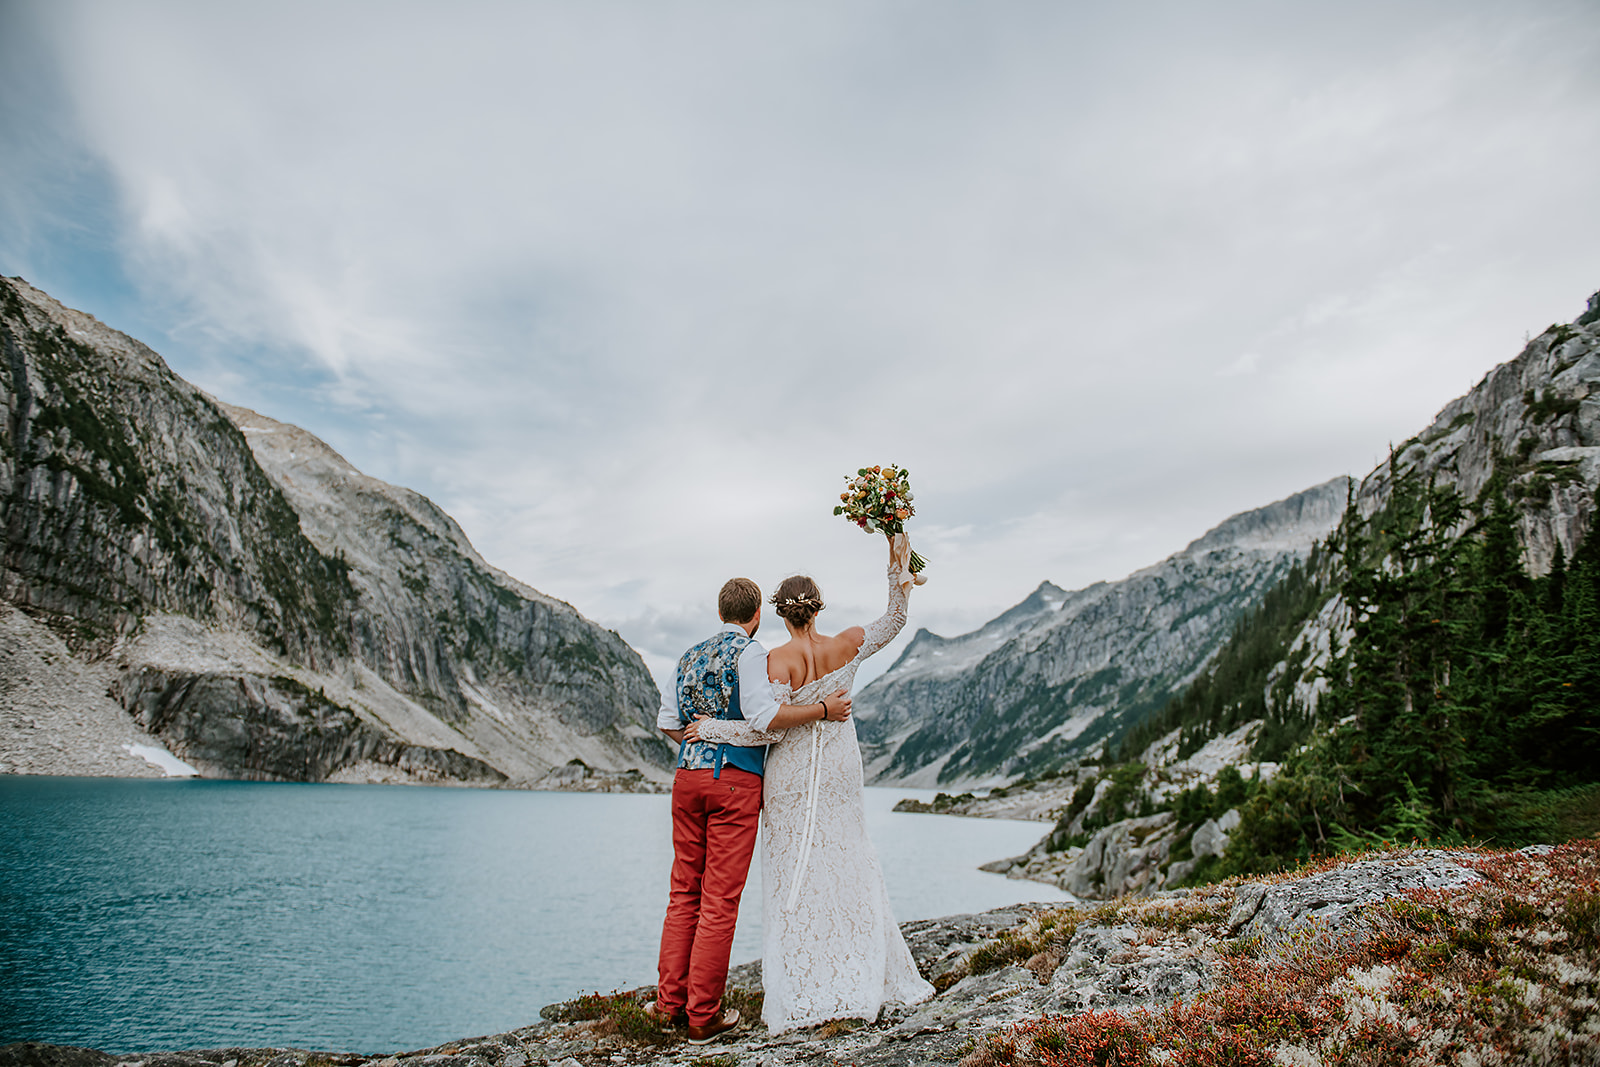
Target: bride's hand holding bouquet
{"points": [[880, 499]]}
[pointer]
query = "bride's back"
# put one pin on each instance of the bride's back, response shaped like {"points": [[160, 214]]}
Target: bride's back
{"points": [[809, 655]]}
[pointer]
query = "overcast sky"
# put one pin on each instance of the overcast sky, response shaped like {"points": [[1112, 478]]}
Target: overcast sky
{"points": [[629, 287]]}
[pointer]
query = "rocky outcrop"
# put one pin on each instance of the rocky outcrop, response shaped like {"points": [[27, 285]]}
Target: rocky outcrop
{"points": [[1124, 858], [1211, 837], [56, 712], [276, 729], [264, 610], [576, 776], [1332, 899], [1535, 421], [1027, 799], [1130, 857], [127, 491], [1094, 852], [1442, 956], [1166, 774], [1536, 418], [1064, 670]]}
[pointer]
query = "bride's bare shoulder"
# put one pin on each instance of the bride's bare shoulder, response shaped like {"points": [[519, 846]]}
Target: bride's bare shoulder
{"points": [[786, 665], [852, 637]]}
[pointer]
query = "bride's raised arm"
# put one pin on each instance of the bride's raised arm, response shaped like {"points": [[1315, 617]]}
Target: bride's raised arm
{"points": [[893, 620]]}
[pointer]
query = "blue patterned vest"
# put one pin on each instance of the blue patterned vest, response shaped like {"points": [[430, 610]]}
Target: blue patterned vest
{"points": [[708, 684]]}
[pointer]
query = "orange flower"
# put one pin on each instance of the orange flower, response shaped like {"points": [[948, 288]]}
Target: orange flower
{"points": [[902, 513]]}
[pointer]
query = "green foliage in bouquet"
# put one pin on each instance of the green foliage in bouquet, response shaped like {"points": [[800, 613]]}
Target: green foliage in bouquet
{"points": [[879, 499]]}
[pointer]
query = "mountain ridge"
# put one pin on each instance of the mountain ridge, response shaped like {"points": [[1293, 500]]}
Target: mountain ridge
{"points": [[268, 610], [1533, 420], [1036, 683]]}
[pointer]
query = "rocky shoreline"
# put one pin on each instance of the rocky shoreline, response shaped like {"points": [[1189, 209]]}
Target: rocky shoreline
{"points": [[1037, 800], [1385, 957], [1097, 849]]}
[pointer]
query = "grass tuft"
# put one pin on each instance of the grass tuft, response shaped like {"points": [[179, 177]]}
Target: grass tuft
{"points": [[835, 1027]]}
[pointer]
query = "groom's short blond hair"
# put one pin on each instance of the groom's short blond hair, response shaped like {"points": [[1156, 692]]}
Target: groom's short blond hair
{"points": [[739, 600]]}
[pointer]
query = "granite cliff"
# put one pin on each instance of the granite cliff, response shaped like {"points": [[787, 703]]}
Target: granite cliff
{"points": [[1060, 672], [261, 608], [1533, 421]]}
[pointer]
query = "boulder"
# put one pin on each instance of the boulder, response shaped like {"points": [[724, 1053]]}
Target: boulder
{"points": [[1211, 837], [1104, 967], [1328, 901]]}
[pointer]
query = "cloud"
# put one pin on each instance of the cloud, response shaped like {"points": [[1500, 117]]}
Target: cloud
{"points": [[628, 288]]}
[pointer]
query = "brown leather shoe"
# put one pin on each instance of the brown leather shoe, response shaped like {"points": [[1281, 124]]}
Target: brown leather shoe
{"points": [[666, 1022], [701, 1035]]}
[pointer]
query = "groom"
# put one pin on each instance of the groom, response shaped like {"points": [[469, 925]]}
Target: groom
{"points": [[716, 806]]}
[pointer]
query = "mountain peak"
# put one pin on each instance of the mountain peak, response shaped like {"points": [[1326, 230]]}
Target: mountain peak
{"points": [[1290, 524]]}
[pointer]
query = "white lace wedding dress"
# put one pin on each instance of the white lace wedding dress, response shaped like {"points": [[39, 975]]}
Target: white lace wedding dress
{"points": [[831, 947]]}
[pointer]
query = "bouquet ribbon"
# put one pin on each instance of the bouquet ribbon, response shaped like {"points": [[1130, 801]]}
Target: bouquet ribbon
{"points": [[900, 560]]}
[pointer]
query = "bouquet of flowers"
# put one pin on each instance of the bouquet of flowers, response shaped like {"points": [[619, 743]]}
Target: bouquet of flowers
{"points": [[879, 498]]}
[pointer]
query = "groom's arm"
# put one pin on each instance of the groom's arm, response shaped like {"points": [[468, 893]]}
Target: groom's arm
{"points": [[756, 702], [667, 718]]}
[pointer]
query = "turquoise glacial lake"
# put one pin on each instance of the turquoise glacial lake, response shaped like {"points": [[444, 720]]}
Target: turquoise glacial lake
{"points": [[145, 915]]}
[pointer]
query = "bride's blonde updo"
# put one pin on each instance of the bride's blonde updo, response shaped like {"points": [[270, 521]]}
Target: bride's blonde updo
{"points": [[797, 600]]}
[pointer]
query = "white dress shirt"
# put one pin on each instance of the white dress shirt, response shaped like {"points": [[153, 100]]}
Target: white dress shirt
{"points": [[756, 701]]}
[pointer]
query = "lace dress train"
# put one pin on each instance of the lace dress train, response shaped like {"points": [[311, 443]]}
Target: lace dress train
{"points": [[831, 947]]}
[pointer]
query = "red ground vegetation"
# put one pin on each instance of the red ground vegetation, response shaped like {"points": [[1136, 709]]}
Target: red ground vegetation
{"points": [[1505, 971]]}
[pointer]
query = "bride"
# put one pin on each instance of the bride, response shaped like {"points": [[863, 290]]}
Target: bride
{"points": [[831, 947]]}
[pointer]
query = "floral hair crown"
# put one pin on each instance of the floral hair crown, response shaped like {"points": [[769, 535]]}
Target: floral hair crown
{"points": [[805, 600]]}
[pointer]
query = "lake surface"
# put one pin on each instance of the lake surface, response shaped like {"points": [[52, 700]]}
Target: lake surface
{"points": [[138, 915]]}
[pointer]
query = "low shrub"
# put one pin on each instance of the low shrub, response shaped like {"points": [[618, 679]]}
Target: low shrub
{"points": [[1502, 971], [624, 1015]]}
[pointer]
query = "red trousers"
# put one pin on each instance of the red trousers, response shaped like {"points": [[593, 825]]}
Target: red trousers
{"points": [[714, 822]]}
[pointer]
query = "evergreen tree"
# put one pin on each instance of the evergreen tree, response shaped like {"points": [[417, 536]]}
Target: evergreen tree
{"points": [[1467, 703]]}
